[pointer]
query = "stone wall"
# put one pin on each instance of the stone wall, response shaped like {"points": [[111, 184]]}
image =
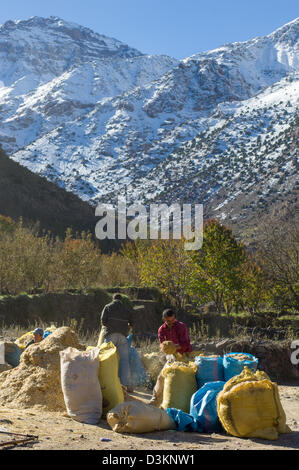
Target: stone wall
{"points": [[83, 308]]}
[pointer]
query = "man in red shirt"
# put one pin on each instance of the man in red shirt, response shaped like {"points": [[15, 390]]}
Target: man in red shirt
{"points": [[177, 332]]}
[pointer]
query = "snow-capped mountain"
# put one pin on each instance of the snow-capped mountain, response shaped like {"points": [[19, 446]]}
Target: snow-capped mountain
{"points": [[100, 118], [52, 72]]}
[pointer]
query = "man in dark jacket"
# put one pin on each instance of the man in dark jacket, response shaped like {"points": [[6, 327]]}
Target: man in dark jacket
{"points": [[116, 320]]}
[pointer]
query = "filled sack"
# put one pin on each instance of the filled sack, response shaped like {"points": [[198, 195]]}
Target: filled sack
{"points": [[24, 339], [12, 353], [138, 418], [111, 388], [80, 384], [249, 406], [179, 385], [209, 369], [138, 372], [203, 407], [184, 421], [168, 347], [234, 363]]}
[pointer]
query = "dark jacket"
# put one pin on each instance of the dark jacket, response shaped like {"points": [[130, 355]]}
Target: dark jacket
{"points": [[29, 343], [116, 318]]}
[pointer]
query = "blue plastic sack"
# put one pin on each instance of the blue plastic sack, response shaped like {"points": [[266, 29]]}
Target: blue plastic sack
{"points": [[130, 339], [138, 372], [184, 421], [209, 369], [13, 354], [203, 407], [47, 333], [234, 367]]}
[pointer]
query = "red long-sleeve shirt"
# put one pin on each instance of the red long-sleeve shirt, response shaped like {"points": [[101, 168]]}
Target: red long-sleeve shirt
{"points": [[178, 334]]}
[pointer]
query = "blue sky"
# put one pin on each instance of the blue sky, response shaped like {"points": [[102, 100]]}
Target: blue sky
{"points": [[178, 28]]}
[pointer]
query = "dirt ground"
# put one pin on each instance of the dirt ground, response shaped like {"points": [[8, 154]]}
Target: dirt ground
{"points": [[57, 431]]}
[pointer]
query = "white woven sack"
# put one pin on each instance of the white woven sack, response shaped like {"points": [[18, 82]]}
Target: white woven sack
{"points": [[80, 384]]}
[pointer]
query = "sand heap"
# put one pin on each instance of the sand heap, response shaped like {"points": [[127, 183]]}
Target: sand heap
{"points": [[36, 381]]}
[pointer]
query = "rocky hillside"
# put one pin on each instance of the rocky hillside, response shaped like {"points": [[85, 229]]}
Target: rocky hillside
{"points": [[27, 195]]}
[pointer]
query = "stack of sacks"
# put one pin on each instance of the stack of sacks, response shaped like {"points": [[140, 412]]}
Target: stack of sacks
{"points": [[217, 368], [202, 415]]}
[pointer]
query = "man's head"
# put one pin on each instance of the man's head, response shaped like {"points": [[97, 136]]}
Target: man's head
{"points": [[38, 335], [168, 317], [117, 297]]}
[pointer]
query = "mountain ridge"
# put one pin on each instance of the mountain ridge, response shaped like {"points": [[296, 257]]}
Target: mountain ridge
{"points": [[139, 124]]}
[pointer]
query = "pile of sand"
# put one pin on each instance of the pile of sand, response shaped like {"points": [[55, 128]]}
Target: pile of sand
{"points": [[36, 381]]}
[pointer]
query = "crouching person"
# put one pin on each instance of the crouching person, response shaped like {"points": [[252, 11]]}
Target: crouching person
{"points": [[38, 337], [176, 332]]}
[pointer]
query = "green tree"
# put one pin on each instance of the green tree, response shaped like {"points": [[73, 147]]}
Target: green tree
{"points": [[218, 274]]}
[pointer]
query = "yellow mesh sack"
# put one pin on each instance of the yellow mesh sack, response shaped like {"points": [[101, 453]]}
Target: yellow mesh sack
{"points": [[187, 356], [249, 406], [24, 339], [138, 418], [112, 391], [179, 386]]}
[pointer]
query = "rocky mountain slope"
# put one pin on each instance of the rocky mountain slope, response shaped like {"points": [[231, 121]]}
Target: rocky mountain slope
{"points": [[102, 119]]}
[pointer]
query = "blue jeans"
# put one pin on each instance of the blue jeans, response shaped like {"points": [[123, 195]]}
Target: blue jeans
{"points": [[121, 343]]}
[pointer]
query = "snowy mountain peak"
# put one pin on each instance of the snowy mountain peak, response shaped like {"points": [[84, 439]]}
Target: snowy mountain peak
{"points": [[39, 49], [288, 33], [99, 118], [40, 28]]}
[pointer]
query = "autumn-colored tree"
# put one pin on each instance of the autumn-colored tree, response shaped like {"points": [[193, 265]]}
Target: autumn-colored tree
{"points": [[278, 255], [7, 225], [77, 263], [24, 260], [118, 270], [255, 292], [164, 264]]}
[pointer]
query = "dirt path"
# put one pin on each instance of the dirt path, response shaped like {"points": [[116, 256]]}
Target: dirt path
{"points": [[56, 432]]}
